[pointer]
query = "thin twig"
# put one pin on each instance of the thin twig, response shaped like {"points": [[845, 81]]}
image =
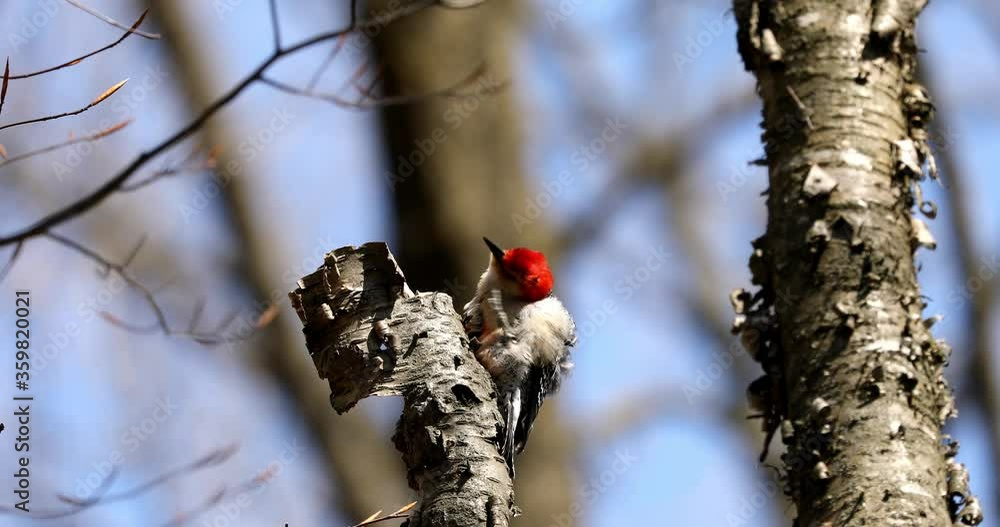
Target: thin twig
{"points": [[367, 90], [100, 98], [275, 25], [199, 308], [160, 324], [252, 485], [101, 496], [854, 509], [356, 76], [80, 59], [403, 512], [161, 174], [82, 139], [212, 459], [51, 514], [188, 165], [3, 87], [396, 100], [88, 202], [13, 258], [354, 14], [113, 22], [318, 74], [380, 520], [121, 270]]}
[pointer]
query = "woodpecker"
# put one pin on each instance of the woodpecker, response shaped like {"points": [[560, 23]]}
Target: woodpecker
{"points": [[522, 335]]}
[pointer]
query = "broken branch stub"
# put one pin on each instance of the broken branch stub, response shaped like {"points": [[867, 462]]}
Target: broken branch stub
{"points": [[369, 334]]}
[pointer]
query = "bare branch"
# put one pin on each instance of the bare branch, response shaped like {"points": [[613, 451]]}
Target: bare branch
{"points": [[134, 29], [188, 166], [354, 14], [3, 88], [377, 102], [13, 258], [107, 266], [96, 197], [160, 324], [102, 496], [378, 518], [275, 25], [212, 459], [100, 98], [339, 45], [74, 62], [76, 140], [252, 485]]}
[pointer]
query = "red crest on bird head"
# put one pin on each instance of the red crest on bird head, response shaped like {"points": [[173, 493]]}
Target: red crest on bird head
{"points": [[529, 268]]}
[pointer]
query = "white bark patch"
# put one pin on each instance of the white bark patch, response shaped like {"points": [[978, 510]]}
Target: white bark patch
{"points": [[855, 24], [901, 460], [819, 232], [770, 46], [808, 19], [883, 345], [896, 369], [913, 488], [856, 159], [929, 433], [875, 303], [906, 156], [847, 157], [922, 235], [818, 182], [894, 427]]}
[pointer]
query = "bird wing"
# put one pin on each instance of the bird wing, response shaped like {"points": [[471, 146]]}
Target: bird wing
{"points": [[544, 376], [541, 380], [472, 317]]}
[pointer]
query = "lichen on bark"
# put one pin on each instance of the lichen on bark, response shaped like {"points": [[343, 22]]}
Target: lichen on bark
{"points": [[854, 377], [369, 334]]}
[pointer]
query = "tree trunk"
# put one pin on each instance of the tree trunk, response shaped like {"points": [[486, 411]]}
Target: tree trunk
{"points": [[369, 334], [854, 377]]}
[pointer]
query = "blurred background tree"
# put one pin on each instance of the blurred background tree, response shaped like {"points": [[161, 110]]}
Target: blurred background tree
{"points": [[615, 136]]}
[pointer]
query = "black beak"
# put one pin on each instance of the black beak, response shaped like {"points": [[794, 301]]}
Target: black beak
{"points": [[497, 251]]}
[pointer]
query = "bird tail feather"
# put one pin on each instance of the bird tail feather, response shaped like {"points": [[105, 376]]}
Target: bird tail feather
{"points": [[512, 415]]}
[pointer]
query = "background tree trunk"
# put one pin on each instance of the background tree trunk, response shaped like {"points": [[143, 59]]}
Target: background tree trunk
{"points": [[356, 457], [471, 184], [856, 383]]}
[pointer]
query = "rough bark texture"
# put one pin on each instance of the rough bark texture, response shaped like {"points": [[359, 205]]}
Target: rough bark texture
{"points": [[854, 376], [369, 334]]}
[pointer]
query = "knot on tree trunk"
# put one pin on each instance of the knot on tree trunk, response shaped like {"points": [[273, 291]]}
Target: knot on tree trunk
{"points": [[369, 334]]}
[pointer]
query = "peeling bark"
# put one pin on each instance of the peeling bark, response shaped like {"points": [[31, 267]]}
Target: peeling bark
{"points": [[853, 374], [368, 334]]}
